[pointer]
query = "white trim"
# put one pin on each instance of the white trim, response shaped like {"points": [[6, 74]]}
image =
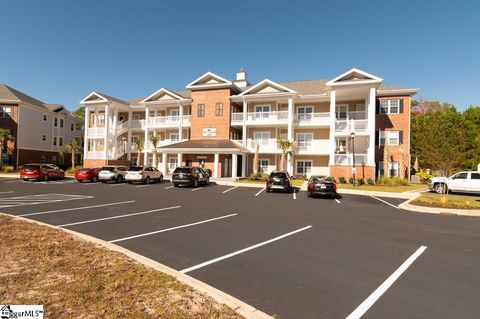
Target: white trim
{"points": [[373, 78], [398, 91], [270, 83], [168, 92], [102, 98], [208, 74]]}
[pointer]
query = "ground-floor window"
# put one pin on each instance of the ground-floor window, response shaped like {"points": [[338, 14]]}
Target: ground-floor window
{"points": [[393, 169], [172, 164], [263, 165], [303, 167]]}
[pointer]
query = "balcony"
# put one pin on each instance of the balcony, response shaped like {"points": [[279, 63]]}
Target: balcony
{"points": [[96, 132], [317, 147], [169, 121], [307, 119], [95, 155], [261, 118], [355, 122], [347, 159]]}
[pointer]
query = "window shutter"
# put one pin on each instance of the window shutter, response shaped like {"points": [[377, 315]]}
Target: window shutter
{"points": [[400, 137], [401, 106], [377, 108], [377, 137]]}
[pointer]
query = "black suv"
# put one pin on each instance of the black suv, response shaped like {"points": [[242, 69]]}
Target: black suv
{"points": [[190, 175], [279, 180]]}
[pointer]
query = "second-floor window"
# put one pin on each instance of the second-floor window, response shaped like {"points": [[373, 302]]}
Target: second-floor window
{"points": [[174, 137], [304, 112], [54, 141], [101, 118], [304, 139], [389, 106], [44, 137], [390, 137], [219, 109], [201, 110], [261, 137], [55, 122], [60, 141], [5, 111], [61, 122], [71, 127], [44, 117]]}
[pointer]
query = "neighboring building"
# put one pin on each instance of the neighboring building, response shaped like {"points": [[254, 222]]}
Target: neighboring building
{"points": [[216, 123], [41, 131]]}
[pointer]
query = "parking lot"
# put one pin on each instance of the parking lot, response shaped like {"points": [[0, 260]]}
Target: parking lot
{"points": [[286, 254]]}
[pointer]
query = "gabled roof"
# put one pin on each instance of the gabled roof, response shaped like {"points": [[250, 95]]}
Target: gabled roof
{"points": [[354, 76], [267, 87], [10, 94], [162, 95], [96, 97], [209, 80]]}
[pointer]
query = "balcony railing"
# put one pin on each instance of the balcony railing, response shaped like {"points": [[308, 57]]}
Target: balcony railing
{"points": [[347, 159], [137, 124], [312, 118], [261, 117], [348, 126], [96, 131], [169, 120], [318, 146], [95, 155]]}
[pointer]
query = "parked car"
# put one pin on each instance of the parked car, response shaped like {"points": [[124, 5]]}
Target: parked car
{"points": [[112, 173], [322, 185], [87, 174], [143, 174], [190, 175], [41, 172], [279, 181], [463, 182]]}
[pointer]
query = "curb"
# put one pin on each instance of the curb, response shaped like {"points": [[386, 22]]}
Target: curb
{"points": [[437, 210], [219, 296], [380, 194]]}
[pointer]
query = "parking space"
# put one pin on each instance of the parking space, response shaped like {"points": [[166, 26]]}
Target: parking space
{"points": [[285, 253]]}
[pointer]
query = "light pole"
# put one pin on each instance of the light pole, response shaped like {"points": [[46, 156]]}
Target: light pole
{"points": [[124, 141], [352, 135], [363, 172]]}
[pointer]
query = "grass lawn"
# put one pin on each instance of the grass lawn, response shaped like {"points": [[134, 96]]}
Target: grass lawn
{"points": [[73, 278], [295, 182], [384, 188], [450, 201]]}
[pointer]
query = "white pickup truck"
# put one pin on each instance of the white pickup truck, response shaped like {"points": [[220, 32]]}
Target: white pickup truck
{"points": [[462, 182]]}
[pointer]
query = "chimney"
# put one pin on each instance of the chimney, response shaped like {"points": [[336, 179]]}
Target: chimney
{"points": [[241, 79]]}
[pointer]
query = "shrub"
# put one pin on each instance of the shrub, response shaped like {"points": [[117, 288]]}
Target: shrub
{"points": [[424, 177], [391, 181], [370, 181], [360, 181], [259, 177], [350, 180], [7, 168], [342, 180]]}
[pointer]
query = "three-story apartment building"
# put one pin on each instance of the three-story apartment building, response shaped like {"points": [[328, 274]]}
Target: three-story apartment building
{"points": [[219, 124], [40, 130]]}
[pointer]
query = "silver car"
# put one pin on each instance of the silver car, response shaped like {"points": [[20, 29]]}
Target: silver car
{"points": [[112, 173], [143, 174]]}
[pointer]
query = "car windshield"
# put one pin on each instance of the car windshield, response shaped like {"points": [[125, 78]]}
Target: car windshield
{"points": [[319, 178], [278, 174], [183, 170], [108, 168], [31, 167], [135, 169]]}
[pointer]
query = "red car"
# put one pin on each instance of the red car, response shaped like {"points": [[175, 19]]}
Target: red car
{"points": [[41, 172], [87, 174]]}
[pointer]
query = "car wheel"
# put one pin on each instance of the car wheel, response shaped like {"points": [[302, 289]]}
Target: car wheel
{"points": [[62, 176], [440, 188], [25, 179], [160, 180], [45, 177], [269, 190], [207, 181], [195, 183], [129, 182], [79, 180], [175, 185], [120, 179], [147, 180], [103, 182]]}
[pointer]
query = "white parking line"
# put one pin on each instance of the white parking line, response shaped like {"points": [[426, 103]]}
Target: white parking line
{"points": [[39, 199], [9, 192], [384, 202], [196, 189], [337, 200], [230, 189], [76, 208], [294, 195], [143, 185], [118, 184], [13, 181], [173, 228], [209, 262], [168, 187], [119, 216], [260, 191], [364, 306]]}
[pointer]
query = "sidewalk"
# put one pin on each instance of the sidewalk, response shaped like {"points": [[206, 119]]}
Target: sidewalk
{"points": [[438, 210]]}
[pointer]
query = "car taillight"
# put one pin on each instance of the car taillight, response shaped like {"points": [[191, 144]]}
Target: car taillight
{"points": [[334, 186], [311, 186]]}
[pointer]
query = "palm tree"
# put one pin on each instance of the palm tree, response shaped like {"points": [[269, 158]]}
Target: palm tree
{"points": [[255, 159], [139, 144], [5, 137], [287, 149], [154, 139], [73, 148]]}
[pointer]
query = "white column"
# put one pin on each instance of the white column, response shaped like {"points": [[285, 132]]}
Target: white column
{"points": [[115, 119], [179, 159], [105, 143], [332, 126], [85, 138], [372, 97], [234, 165], [216, 158], [180, 129], [145, 149], [164, 163], [244, 126], [244, 165], [290, 135], [129, 136]]}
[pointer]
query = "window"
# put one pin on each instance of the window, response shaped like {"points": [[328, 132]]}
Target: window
{"points": [[393, 138], [60, 141], [461, 176], [263, 165], [261, 137], [101, 118], [175, 114], [5, 111], [303, 168], [305, 112], [392, 169], [174, 137], [219, 109], [55, 122], [381, 136], [341, 146], [262, 108], [200, 110], [389, 106], [475, 176], [136, 117], [71, 127], [54, 141], [341, 112], [304, 139], [172, 164], [380, 168], [44, 137], [44, 117], [151, 114], [61, 122]]}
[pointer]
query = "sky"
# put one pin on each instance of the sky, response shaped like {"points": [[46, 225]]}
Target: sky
{"points": [[59, 51]]}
